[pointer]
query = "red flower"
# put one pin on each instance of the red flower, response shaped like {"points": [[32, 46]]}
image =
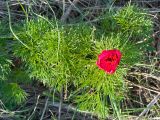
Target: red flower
{"points": [[108, 60]]}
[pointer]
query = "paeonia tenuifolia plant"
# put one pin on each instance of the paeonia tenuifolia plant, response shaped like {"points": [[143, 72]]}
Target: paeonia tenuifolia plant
{"points": [[90, 67]]}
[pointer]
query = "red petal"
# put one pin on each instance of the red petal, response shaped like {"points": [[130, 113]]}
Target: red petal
{"points": [[108, 60]]}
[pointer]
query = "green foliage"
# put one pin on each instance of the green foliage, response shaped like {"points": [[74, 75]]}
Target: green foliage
{"points": [[96, 90], [80, 50], [109, 24], [65, 57], [42, 56], [129, 20], [19, 76], [4, 60], [11, 94], [68, 56], [4, 28], [4, 66], [135, 21]]}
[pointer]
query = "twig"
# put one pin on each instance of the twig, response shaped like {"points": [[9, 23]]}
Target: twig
{"points": [[149, 106], [133, 84], [10, 26], [70, 108], [45, 107], [34, 108], [147, 1], [60, 105], [145, 75], [156, 118], [6, 113], [66, 14]]}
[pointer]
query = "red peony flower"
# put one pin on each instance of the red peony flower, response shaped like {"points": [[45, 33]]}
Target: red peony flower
{"points": [[108, 60]]}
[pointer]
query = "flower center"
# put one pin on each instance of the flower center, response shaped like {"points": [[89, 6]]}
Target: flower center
{"points": [[111, 58]]}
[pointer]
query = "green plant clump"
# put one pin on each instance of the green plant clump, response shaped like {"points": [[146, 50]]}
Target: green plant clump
{"points": [[65, 57], [129, 20], [10, 92]]}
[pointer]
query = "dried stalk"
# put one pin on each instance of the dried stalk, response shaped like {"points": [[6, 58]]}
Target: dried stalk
{"points": [[154, 101], [66, 14]]}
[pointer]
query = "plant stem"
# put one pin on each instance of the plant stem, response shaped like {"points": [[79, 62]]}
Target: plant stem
{"points": [[60, 105]]}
